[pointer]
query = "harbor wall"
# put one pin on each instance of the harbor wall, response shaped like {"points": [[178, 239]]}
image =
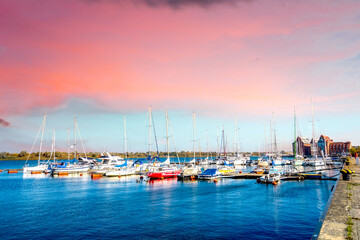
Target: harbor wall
{"points": [[341, 217]]}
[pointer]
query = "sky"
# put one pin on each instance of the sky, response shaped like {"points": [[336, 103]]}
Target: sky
{"points": [[250, 60]]}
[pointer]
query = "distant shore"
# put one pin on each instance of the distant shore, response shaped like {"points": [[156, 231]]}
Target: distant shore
{"points": [[23, 155]]}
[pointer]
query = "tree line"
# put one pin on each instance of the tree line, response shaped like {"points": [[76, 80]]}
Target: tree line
{"points": [[23, 155]]}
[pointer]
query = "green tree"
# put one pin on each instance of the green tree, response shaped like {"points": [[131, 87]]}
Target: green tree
{"points": [[22, 153], [3, 155]]}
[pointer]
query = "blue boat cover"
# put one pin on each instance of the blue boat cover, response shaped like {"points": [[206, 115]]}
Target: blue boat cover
{"points": [[211, 171], [122, 165]]}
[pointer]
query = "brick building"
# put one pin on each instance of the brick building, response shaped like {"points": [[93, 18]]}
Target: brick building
{"points": [[324, 145], [303, 146], [337, 148]]}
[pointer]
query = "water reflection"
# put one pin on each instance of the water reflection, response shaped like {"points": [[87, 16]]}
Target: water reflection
{"points": [[35, 176], [163, 182]]}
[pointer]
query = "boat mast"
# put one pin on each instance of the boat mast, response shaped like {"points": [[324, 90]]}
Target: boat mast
{"points": [[68, 144], [218, 149], [223, 136], [167, 135], [74, 137], [42, 136], [125, 139], [150, 131], [207, 144], [194, 122], [275, 144], [313, 149], [173, 138], [295, 152], [54, 144], [265, 147], [82, 143], [236, 138], [271, 138]]}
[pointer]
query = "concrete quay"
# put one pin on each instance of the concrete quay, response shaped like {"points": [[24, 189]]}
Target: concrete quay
{"points": [[342, 220]]}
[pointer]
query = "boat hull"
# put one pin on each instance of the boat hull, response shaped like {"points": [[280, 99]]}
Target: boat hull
{"points": [[164, 174], [39, 168]]}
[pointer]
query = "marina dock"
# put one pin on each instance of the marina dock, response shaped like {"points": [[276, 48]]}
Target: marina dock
{"points": [[341, 217]]}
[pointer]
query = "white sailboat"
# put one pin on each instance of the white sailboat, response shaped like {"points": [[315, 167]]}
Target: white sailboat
{"points": [[237, 159], [193, 161], [314, 160], [41, 166], [164, 170], [298, 160], [66, 167], [206, 161], [124, 169]]}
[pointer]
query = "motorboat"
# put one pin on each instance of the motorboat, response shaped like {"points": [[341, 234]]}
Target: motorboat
{"points": [[209, 174], [163, 172], [189, 171], [66, 167], [270, 178], [120, 172], [259, 170], [227, 169]]}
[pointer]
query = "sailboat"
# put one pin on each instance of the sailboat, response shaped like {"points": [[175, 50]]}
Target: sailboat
{"points": [[124, 169], [193, 161], [314, 160], [298, 160], [41, 166], [65, 168], [165, 170], [226, 167], [191, 170], [276, 160], [237, 159], [207, 160]]}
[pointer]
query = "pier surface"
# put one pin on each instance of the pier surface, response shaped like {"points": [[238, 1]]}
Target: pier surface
{"points": [[342, 219]]}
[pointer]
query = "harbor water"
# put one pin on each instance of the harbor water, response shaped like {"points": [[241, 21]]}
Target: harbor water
{"points": [[76, 207]]}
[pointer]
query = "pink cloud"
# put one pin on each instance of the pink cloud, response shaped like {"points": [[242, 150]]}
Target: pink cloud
{"points": [[256, 57], [4, 123]]}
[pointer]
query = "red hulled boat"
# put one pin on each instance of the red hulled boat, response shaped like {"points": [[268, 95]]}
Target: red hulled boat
{"points": [[162, 172]]}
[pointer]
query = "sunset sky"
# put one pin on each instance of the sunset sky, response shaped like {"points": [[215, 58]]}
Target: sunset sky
{"points": [[222, 59]]}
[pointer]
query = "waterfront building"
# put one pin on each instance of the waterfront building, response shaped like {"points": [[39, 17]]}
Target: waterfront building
{"points": [[337, 148], [324, 144], [303, 146]]}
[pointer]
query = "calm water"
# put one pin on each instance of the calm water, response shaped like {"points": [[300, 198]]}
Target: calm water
{"points": [[78, 207]]}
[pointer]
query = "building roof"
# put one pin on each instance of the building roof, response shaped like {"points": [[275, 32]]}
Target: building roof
{"points": [[305, 140], [327, 139]]}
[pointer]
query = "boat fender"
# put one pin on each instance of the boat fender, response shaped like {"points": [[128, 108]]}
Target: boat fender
{"points": [[215, 180], [258, 180], [274, 183]]}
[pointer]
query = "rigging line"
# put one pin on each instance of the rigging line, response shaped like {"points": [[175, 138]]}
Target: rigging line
{"points": [[52, 148], [157, 147], [173, 138], [77, 126], [34, 143]]}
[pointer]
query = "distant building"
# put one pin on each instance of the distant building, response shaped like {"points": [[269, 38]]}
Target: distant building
{"points": [[324, 144], [337, 148], [303, 146]]}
